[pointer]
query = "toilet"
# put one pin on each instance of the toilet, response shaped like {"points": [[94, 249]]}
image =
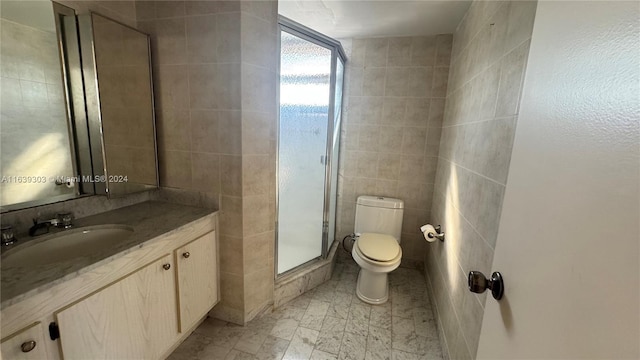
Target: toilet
{"points": [[377, 247]]}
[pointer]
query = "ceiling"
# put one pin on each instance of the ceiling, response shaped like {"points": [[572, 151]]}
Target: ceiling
{"points": [[375, 18]]}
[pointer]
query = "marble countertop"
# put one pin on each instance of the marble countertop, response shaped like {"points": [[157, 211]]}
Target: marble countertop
{"points": [[148, 219]]}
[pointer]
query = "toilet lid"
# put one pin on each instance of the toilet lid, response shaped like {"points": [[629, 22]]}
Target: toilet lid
{"points": [[378, 247]]}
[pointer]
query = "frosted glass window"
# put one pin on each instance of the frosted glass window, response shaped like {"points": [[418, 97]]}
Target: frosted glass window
{"points": [[305, 91]]}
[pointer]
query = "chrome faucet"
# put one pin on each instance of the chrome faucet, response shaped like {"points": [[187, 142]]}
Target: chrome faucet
{"points": [[8, 237], [63, 220]]}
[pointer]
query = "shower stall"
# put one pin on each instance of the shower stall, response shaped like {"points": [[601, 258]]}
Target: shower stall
{"points": [[310, 96]]}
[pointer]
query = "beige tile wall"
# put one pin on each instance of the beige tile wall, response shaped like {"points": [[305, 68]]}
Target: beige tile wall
{"points": [[215, 85], [260, 55], [393, 114], [123, 11], [487, 67]]}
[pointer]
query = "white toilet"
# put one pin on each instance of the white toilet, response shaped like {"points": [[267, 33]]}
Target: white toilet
{"points": [[377, 247]]}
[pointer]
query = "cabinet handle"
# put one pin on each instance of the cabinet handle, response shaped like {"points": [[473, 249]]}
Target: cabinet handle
{"points": [[28, 346], [186, 255], [166, 266]]}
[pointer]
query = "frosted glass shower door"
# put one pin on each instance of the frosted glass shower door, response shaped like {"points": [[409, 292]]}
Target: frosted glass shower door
{"points": [[305, 91]]}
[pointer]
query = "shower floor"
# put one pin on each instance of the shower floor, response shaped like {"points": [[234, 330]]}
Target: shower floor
{"points": [[329, 322]]}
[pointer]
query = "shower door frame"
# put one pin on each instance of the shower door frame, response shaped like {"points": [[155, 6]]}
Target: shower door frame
{"points": [[305, 33]]}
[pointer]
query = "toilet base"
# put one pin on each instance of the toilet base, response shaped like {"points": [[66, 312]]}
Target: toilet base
{"points": [[372, 287]]}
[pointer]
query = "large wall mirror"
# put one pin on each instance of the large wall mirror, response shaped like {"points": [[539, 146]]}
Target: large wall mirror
{"points": [[76, 106]]}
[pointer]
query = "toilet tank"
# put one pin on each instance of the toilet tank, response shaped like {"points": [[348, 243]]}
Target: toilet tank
{"points": [[377, 214]]}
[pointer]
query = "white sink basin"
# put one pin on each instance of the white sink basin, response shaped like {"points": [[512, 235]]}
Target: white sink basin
{"points": [[66, 245]]}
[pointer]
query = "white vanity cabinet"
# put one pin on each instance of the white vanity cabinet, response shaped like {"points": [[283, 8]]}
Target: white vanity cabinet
{"points": [[26, 344], [134, 318], [140, 305], [196, 266]]}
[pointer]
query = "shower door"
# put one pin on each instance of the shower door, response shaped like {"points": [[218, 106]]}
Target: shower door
{"points": [[306, 139]]}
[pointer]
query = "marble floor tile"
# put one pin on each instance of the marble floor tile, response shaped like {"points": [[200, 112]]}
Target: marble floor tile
{"points": [[315, 314], [333, 325], [402, 306], [251, 341], [273, 348], [403, 325], [424, 323], [301, 302], [330, 341], [321, 355], [284, 328], [302, 344], [210, 327], [329, 322], [353, 347], [228, 336], [330, 337], [190, 348], [410, 342], [213, 352], [381, 316], [403, 355], [358, 319], [340, 305], [238, 355], [290, 312], [378, 344], [325, 291]]}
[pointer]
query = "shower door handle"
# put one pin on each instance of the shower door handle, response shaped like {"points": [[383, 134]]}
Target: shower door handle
{"points": [[323, 160]]}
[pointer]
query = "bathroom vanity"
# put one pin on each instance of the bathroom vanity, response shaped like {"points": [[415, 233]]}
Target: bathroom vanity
{"points": [[139, 297]]}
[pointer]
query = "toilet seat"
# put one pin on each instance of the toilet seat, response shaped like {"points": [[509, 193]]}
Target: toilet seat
{"points": [[378, 247]]}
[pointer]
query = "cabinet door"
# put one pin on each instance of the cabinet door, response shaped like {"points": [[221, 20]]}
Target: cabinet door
{"points": [[134, 318], [26, 344], [197, 264]]}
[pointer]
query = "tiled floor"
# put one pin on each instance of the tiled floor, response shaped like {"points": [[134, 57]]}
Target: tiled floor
{"points": [[329, 322]]}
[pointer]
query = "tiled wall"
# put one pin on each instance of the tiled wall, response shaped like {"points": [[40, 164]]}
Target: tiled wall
{"points": [[215, 85], [34, 121], [260, 82], [123, 11], [393, 111], [488, 63]]}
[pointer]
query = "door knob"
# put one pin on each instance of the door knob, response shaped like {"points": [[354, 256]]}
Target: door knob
{"points": [[478, 283], [186, 255], [166, 266]]}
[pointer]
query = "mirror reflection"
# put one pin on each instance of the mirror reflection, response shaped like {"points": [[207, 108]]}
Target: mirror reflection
{"points": [[126, 105], [35, 141]]}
